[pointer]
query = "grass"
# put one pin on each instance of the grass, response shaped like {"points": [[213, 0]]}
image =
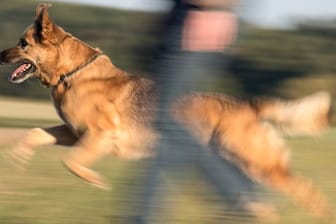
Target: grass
{"points": [[47, 193], [26, 123], [25, 113]]}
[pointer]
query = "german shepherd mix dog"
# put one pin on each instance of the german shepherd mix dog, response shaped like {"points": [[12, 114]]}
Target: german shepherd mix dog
{"points": [[107, 111]]}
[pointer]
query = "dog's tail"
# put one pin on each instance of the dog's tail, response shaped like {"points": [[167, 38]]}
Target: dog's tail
{"points": [[308, 115]]}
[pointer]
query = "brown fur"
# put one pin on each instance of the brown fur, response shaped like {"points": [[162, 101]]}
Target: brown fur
{"points": [[107, 111], [244, 133]]}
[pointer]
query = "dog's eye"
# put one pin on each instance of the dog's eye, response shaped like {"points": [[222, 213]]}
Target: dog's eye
{"points": [[23, 43]]}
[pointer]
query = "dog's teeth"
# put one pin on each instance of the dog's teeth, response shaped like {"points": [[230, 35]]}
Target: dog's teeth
{"points": [[26, 67]]}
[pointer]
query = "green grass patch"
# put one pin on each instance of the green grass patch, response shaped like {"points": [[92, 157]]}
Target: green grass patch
{"points": [[26, 123], [47, 193]]}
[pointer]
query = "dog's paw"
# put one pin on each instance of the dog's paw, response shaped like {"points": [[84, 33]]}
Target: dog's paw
{"points": [[262, 211], [99, 182], [86, 174], [19, 156]]}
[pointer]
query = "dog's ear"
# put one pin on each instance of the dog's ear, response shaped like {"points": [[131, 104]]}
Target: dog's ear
{"points": [[45, 28]]}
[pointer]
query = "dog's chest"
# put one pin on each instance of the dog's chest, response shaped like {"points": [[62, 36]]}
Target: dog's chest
{"points": [[71, 110], [90, 109]]}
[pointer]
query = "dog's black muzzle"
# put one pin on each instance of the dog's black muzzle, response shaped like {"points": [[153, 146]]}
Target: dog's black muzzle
{"points": [[5, 57]]}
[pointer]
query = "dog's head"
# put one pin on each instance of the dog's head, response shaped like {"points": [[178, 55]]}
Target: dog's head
{"points": [[39, 50]]}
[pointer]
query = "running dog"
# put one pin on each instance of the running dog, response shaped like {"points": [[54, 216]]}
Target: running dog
{"points": [[107, 111]]}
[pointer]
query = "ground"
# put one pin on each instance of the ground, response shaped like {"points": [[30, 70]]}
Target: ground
{"points": [[46, 193]]}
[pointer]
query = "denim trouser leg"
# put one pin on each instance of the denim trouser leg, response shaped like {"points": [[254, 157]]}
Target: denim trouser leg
{"points": [[178, 74]]}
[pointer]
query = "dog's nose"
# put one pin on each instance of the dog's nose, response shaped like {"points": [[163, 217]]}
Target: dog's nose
{"points": [[2, 56]]}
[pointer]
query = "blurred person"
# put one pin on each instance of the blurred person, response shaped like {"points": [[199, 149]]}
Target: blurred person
{"points": [[196, 36]]}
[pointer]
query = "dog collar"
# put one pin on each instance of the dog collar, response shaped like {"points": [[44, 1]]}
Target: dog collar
{"points": [[64, 77]]}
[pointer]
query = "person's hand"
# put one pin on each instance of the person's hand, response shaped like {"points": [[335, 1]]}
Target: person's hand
{"points": [[208, 30]]}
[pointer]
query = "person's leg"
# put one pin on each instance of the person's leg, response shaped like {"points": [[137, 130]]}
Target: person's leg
{"points": [[176, 149], [180, 74]]}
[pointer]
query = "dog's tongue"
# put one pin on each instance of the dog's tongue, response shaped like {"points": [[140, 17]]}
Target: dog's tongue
{"points": [[19, 69]]}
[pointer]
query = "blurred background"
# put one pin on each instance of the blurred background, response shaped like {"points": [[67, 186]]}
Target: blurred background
{"points": [[284, 49]]}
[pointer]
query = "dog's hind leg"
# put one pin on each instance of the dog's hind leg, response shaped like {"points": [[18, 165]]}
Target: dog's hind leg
{"points": [[301, 191], [91, 148], [23, 151], [259, 150]]}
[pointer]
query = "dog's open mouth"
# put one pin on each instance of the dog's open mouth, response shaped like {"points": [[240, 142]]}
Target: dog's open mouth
{"points": [[23, 71]]}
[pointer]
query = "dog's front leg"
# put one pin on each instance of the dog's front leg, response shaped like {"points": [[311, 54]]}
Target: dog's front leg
{"points": [[23, 151], [92, 147]]}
